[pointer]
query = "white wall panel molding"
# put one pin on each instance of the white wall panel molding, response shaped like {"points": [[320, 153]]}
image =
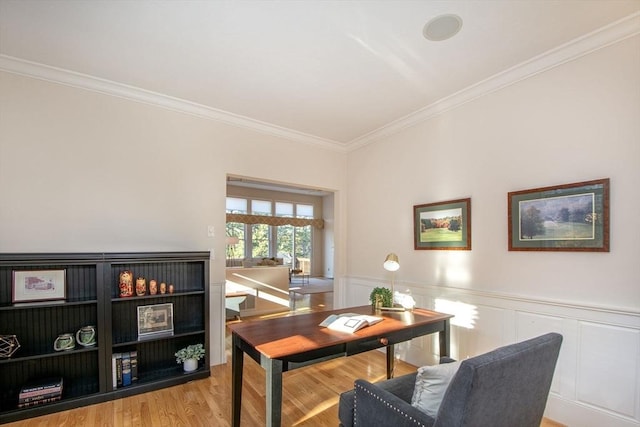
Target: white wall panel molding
{"points": [[608, 368], [217, 316], [605, 314], [572, 413], [597, 378]]}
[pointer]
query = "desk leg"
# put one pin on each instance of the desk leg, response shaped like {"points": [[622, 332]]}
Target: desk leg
{"points": [[391, 361], [273, 384], [237, 360], [445, 337]]}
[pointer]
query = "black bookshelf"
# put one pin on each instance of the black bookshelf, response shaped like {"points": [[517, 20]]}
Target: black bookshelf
{"points": [[92, 298]]}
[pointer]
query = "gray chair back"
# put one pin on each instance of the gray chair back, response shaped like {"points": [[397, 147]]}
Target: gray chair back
{"points": [[507, 387]]}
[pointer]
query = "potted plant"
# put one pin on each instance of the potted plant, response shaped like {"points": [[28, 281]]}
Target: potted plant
{"points": [[189, 356], [381, 297]]}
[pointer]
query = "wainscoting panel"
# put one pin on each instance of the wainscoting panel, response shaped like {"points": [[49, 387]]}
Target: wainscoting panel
{"points": [[478, 336], [597, 378], [529, 325], [607, 374]]}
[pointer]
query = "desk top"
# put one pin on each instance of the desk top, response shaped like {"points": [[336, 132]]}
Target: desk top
{"points": [[284, 336]]}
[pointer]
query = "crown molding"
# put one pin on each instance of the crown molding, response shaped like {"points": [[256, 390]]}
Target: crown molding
{"points": [[83, 81], [601, 38]]}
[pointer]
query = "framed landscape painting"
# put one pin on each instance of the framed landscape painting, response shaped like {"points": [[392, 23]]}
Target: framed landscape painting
{"points": [[570, 217], [443, 225]]}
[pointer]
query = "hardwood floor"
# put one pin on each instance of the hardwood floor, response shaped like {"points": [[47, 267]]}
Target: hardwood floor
{"points": [[310, 395]]}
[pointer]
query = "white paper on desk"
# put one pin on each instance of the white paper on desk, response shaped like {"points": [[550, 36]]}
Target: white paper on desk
{"points": [[349, 322]]}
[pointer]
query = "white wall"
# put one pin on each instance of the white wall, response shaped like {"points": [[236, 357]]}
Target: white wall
{"points": [[329, 239], [576, 122], [82, 171]]}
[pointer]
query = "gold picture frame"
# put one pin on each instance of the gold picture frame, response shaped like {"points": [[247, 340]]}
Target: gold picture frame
{"points": [[569, 217], [443, 225]]}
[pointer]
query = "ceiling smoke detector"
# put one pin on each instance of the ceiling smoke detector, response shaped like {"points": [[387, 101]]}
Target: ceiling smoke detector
{"points": [[442, 27]]}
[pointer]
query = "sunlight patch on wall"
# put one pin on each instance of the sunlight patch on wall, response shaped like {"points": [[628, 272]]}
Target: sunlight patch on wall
{"points": [[465, 314], [260, 289]]}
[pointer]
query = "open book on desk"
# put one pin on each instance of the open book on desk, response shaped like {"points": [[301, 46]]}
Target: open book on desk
{"points": [[349, 322]]}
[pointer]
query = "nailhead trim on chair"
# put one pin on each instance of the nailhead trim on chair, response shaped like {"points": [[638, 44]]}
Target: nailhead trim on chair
{"points": [[355, 403]]}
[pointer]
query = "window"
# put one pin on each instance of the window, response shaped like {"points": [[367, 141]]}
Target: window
{"points": [[284, 241], [260, 239], [291, 243], [284, 209], [235, 205], [304, 211], [284, 233], [260, 207], [235, 250], [303, 239]]}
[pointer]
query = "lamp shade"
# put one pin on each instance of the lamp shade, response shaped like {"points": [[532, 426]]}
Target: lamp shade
{"points": [[232, 240], [391, 262]]}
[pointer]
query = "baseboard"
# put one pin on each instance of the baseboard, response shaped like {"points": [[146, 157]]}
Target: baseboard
{"points": [[572, 413]]}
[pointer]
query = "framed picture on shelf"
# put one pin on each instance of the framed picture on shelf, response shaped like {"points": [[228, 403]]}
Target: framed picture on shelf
{"points": [[443, 225], [38, 285], [570, 217], [154, 320]]}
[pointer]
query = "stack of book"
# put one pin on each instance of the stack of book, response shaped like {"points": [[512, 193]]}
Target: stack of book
{"points": [[40, 392], [124, 368]]}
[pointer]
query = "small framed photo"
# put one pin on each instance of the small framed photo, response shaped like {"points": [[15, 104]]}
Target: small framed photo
{"points": [[570, 217], [443, 225], [154, 320], [38, 285]]}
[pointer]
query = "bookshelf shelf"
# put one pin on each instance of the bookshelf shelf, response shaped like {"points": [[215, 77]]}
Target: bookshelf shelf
{"points": [[25, 356], [92, 298]]}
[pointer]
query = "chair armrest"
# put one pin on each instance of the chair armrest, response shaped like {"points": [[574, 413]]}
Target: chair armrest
{"points": [[375, 406]]}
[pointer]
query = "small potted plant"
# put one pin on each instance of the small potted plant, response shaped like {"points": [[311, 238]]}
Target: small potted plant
{"points": [[381, 297], [189, 356]]}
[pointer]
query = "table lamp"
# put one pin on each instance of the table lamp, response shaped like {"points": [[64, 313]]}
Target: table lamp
{"points": [[391, 264]]}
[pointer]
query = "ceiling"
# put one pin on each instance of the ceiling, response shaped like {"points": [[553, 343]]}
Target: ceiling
{"points": [[337, 73]]}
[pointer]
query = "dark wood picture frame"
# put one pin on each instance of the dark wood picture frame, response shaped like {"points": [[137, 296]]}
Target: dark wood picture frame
{"points": [[569, 217], [442, 225]]}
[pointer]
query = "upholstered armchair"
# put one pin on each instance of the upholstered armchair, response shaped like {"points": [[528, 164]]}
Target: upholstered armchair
{"points": [[506, 387]]}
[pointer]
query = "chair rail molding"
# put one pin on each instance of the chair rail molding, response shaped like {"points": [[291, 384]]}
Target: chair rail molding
{"points": [[600, 351]]}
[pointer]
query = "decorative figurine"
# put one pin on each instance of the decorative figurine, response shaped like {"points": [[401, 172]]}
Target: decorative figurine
{"points": [[64, 342], [163, 288], [171, 288], [126, 284], [86, 336], [153, 287], [8, 345], [141, 286]]}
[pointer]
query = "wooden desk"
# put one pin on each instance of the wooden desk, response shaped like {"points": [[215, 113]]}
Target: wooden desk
{"points": [[286, 343]]}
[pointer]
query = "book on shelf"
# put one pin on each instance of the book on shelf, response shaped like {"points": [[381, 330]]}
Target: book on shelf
{"points": [[124, 368], [117, 370], [40, 392], [35, 395], [43, 384], [134, 365], [349, 322], [39, 401]]}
